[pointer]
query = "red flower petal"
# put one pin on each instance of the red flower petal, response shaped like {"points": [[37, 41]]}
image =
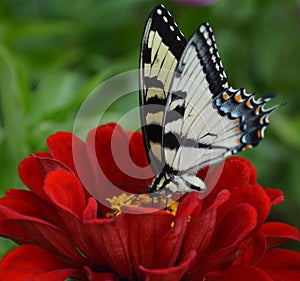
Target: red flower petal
{"points": [[92, 276], [281, 264], [137, 149], [91, 210], [71, 151], [277, 233], [29, 204], [44, 233], [30, 173], [169, 245], [109, 147], [25, 203], [188, 205], [201, 228], [138, 155], [33, 170], [232, 230], [9, 229], [61, 147], [65, 190], [100, 142], [169, 274], [144, 236], [140, 174], [33, 263], [109, 240], [245, 273], [235, 226], [253, 195], [103, 166], [275, 195], [49, 164], [53, 239], [234, 172], [255, 250]]}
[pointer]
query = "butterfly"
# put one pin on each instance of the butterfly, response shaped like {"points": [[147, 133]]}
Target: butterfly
{"points": [[190, 116]]}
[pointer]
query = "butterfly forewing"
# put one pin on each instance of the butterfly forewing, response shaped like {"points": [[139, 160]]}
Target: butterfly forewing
{"points": [[162, 46]]}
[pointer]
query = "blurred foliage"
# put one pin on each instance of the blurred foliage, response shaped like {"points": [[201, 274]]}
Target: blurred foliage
{"points": [[54, 52]]}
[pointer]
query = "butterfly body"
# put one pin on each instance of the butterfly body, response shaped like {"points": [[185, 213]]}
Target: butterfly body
{"points": [[191, 117], [173, 181]]}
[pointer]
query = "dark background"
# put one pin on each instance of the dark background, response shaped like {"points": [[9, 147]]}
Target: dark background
{"points": [[54, 52]]}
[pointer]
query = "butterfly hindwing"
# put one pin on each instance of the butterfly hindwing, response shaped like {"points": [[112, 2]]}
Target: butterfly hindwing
{"points": [[162, 46]]}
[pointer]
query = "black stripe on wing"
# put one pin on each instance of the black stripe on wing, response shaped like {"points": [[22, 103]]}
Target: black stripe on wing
{"points": [[162, 46], [160, 20], [205, 44]]}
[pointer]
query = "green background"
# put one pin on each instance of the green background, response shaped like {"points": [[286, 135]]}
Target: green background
{"points": [[54, 52]]}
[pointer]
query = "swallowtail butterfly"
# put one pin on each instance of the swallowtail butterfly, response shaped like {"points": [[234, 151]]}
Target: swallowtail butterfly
{"points": [[190, 116]]}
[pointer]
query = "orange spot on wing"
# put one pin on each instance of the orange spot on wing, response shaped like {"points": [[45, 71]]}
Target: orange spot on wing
{"points": [[225, 96], [259, 134], [261, 120], [257, 111], [238, 97], [249, 104]]}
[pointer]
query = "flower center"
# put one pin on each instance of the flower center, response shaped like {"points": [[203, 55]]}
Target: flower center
{"points": [[140, 200]]}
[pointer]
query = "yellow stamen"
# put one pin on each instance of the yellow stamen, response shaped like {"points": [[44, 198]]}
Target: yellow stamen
{"points": [[140, 200], [172, 208]]}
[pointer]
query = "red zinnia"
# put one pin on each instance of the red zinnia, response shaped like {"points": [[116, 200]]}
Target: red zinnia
{"points": [[63, 232]]}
